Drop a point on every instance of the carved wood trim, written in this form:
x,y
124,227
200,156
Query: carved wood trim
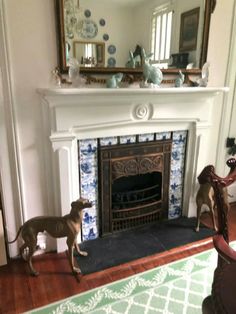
x,y
137,165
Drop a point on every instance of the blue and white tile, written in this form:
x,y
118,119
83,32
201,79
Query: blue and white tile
x,y
146,137
89,185
175,211
90,216
177,174
163,136
88,167
127,139
179,138
90,232
106,141
88,147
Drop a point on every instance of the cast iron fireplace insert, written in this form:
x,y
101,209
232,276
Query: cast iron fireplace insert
x,y
133,184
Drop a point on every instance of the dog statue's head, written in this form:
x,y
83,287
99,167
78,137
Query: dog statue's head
x,y
77,206
81,203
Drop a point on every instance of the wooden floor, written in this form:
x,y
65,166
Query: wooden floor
x,y
20,292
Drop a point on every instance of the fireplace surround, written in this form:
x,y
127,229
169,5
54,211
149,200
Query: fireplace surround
x,y
135,159
84,114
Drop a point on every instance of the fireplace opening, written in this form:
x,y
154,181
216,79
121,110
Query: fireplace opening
x,y
132,191
133,184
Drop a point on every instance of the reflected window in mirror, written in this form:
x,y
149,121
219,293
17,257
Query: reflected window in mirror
x,y
89,54
161,35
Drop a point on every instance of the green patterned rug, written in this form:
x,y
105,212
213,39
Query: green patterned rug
x,y
178,287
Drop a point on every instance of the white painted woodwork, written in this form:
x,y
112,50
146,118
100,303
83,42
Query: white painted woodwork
x,y
72,114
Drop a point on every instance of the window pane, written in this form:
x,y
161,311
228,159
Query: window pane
x,y
168,35
158,38
153,36
163,36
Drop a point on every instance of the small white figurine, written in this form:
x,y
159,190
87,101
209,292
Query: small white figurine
x,y
56,77
202,82
74,72
189,66
179,81
152,75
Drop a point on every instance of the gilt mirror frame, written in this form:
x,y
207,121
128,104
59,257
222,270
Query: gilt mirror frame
x,y
209,9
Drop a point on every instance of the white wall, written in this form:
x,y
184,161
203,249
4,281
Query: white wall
x,y
32,56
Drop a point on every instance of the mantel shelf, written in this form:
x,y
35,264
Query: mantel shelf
x,y
131,91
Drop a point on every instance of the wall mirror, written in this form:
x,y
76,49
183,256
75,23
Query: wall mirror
x,y
89,53
102,33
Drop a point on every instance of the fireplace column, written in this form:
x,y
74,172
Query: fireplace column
x,y
67,189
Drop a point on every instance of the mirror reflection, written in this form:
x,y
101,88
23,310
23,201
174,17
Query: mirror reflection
x,y
120,25
89,54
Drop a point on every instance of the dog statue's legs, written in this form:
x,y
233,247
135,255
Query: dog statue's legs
x,y
33,272
70,244
211,207
28,257
198,218
83,253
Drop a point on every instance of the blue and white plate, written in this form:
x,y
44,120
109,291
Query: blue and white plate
x,y
111,49
87,29
111,62
87,13
102,22
106,37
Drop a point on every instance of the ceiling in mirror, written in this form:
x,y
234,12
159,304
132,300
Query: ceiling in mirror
x,y
120,25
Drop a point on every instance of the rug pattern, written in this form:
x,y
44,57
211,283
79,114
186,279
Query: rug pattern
x,y
178,287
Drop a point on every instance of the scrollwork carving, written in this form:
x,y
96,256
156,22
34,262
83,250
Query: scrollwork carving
x,y
136,165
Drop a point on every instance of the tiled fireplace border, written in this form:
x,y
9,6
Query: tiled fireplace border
x,y
89,170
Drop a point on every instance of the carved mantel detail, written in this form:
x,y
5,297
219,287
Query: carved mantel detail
x,y
136,165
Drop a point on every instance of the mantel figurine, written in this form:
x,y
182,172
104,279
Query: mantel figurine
x,y
152,75
179,81
114,80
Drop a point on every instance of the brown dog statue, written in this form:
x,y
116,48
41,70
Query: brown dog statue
x,y
205,196
58,227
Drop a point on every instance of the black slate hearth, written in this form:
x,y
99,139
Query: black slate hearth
x,y
129,245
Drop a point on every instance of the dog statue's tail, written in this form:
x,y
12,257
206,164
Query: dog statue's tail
x,y
18,233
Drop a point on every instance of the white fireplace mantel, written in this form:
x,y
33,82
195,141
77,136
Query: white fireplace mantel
x,y
71,114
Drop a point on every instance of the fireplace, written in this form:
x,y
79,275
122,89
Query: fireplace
x,y
131,180
71,115
134,185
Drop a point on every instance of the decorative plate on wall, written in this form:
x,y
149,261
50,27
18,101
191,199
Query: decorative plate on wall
x,y
87,13
111,62
105,37
102,22
87,29
111,49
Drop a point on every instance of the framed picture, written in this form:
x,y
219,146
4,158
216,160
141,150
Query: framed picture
x,y
189,30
